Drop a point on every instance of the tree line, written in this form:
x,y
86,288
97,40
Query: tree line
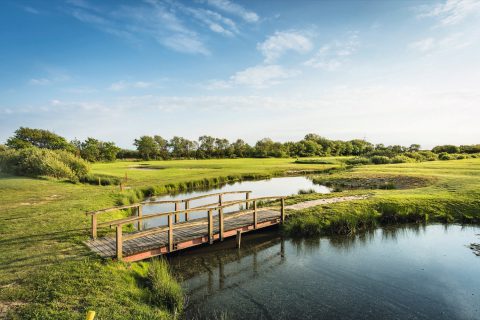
x,y
208,147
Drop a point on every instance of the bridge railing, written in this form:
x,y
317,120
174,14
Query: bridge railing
x,y
139,208
253,209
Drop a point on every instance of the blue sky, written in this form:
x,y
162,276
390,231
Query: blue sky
x,y
397,72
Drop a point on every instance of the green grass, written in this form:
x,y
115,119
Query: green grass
x,y
46,269
445,191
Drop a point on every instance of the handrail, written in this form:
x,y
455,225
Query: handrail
x,y
128,206
196,209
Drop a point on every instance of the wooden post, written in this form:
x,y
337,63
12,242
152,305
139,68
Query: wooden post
x,y
170,233
210,226
119,243
99,182
220,199
254,214
187,206
121,186
220,223
247,196
94,226
176,214
239,238
282,210
139,215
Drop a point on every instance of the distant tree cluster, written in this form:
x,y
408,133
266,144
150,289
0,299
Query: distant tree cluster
x,y
91,149
207,147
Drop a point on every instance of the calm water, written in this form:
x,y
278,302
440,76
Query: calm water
x,y
409,272
283,186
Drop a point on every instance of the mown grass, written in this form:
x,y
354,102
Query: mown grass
x,y
450,194
47,271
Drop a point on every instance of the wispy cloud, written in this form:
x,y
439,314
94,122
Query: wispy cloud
x,y
280,42
53,75
261,76
450,12
150,20
235,9
123,85
39,81
333,55
31,10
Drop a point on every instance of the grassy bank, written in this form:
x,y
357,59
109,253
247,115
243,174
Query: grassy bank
x,y
442,191
45,270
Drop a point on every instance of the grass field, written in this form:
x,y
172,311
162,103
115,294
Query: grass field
x,y
47,273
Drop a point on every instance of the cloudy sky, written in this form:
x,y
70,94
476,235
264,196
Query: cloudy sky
x,y
397,72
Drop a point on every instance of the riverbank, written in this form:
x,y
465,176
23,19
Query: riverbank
x,y
441,191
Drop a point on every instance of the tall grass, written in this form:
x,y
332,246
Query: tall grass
x,y
165,291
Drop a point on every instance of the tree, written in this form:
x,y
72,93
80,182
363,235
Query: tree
x,y
240,148
414,148
27,137
90,150
147,147
206,147
162,147
108,151
448,148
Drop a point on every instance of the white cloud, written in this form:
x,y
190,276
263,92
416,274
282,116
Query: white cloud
x,y
261,76
451,12
39,81
151,20
332,56
235,9
423,45
123,85
276,45
31,10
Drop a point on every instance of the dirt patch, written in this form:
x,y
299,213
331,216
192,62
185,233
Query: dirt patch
x,y
319,202
374,182
5,306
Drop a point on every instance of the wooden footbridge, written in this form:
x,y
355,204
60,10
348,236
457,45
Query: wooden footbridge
x,y
220,222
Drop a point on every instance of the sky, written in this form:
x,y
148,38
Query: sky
x,y
392,72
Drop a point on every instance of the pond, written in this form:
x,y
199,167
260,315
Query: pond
x,y
407,272
282,186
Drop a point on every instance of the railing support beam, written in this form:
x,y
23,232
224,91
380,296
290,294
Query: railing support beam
x,y
254,214
119,243
187,206
282,210
94,226
210,226
177,217
170,233
220,223
139,215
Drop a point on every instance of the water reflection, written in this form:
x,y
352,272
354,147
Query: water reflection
x,y
282,186
407,272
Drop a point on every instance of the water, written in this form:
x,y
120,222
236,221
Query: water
x,y
283,186
409,272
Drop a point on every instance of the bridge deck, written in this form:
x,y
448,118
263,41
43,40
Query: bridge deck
x,y
185,234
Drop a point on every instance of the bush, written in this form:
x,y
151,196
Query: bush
x,y
445,156
36,162
380,160
401,159
358,161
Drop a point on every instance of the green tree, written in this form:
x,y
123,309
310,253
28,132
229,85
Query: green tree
x,y
147,147
27,137
162,147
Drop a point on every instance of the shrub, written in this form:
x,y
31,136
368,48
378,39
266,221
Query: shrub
x,y
445,156
380,160
36,162
358,161
401,159
306,191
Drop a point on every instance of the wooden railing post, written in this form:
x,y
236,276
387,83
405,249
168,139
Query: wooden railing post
x,y
187,206
255,214
119,243
210,226
94,226
220,199
176,214
139,215
170,233
282,210
247,196
220,223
